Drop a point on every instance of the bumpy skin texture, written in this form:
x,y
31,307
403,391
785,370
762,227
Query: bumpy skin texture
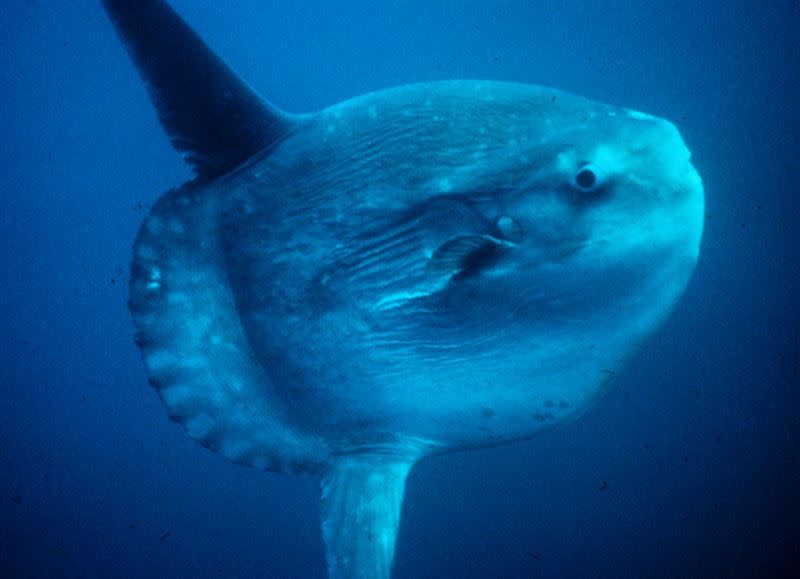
x,y
412,271
355,336
429,268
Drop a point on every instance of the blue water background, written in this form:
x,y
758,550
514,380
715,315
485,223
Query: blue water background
x,y
697,441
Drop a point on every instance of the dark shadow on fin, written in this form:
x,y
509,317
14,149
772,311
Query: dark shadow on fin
x,y
209,113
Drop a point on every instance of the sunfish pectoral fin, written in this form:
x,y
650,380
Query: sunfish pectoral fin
x,y
209,113
467,254
362,497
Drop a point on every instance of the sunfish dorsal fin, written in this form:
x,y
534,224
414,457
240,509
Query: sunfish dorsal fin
x,y
362,497
209,113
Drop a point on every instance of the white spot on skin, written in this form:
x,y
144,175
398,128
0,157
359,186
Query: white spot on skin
x,y
639,115
154,279
373,112
445,185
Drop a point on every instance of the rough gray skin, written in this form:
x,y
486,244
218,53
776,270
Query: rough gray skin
x,y
413,271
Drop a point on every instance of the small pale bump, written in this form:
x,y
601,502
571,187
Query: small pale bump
x,y
508,228
639,115
154,225
145,252
160,359
177,298
154,279
177,227
149,319
192,362
217,397
234,449
176,394
200,325
199,426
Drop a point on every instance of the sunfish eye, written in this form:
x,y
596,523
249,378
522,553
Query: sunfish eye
x,y
586,178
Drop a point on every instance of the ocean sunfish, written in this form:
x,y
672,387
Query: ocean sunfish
x,y
419,270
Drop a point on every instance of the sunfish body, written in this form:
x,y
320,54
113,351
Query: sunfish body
x,y
430,268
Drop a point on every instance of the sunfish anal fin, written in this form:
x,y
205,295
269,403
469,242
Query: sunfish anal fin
x,y
362,497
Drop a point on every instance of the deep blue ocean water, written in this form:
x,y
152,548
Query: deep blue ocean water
x,y
687,467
